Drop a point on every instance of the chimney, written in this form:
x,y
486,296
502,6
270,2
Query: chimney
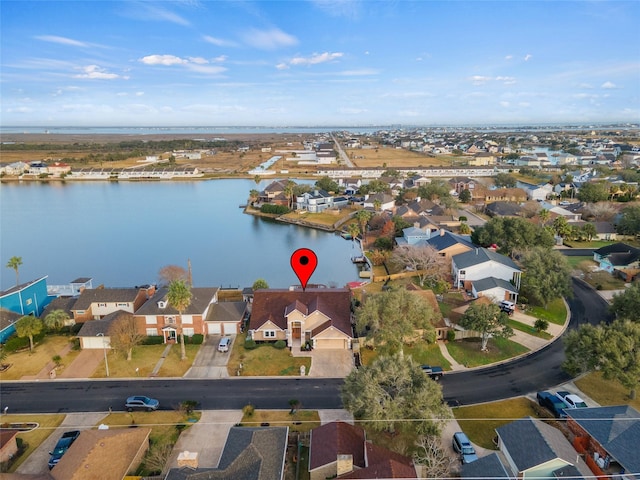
x,y
188,459
344,464
442,232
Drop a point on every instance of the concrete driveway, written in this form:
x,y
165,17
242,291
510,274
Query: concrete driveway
x,y
331,363
209,362
36,463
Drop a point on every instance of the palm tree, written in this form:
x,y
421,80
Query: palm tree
x,y
363,217
288,192
56,319
544,216
15,262
179,295
353,230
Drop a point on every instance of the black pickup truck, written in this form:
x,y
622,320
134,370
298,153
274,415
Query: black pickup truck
x,y
434,372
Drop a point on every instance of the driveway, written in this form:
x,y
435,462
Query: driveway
x,y
334,363
36,463
209,362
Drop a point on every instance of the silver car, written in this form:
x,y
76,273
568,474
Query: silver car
x,y
141,403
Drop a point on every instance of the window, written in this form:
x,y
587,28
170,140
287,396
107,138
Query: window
x,y
151,332
186,320
188,332
122,304
102,304
151,320
269,334
28,301
171,320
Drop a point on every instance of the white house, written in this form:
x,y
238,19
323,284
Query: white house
x,y
492,274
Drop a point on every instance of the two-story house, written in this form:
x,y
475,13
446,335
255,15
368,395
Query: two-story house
x,y
319,200
96,303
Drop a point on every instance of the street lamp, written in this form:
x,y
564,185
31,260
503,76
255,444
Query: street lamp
x,y
104,349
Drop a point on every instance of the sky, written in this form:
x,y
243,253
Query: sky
x,y
318,63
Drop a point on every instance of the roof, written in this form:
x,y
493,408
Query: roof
x,y
447,239
544,443
485,467
201,298
383,463
503,208
616,428
227,312
104,295
60,303
8,318
619,254
492,282
20,287
91,328
271,304
333,439
255,453
102,454
479,255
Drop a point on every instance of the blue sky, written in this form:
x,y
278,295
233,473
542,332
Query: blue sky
x,y
316,63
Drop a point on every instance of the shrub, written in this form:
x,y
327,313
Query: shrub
x,y
274,209
197,339
451,335
250,344
153,340
541,324
15,342
248,410
188,406
280,344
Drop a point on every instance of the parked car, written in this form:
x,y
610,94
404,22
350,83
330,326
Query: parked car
x,y
62,446
572,400
552,403
434,372
140,402
507,307
223,346
462,445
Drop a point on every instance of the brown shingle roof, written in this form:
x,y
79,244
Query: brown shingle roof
x,y
383,463
333,439
104,295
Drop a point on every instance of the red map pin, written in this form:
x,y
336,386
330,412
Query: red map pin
x,y
304,263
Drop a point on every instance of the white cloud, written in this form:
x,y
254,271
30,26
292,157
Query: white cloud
x,y
527,57
219,41
152,12
208,69
163,60
139,94
506,80
480,79
269,39
220,58
608,85
504,104
282,66
62,40
508,57
198,60
96,72
316,58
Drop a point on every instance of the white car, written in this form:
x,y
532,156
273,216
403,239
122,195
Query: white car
x,y
572,401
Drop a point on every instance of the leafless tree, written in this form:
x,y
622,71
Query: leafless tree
x,y
600,212
171,273
425,261
124,335
432,457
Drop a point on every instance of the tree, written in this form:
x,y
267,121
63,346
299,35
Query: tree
x,y
392,393
124,335
629,223
363,216
390,318
171,273
465,196
435,189
253,195
589,231
14,263
289,192
541,325
425,261
511,233
56,319
593,192
544,216
179,295
612,349
464,229
435,460
327,184
547,275
260,284
627,304
28,326
353,230
506,179
488,320
561,226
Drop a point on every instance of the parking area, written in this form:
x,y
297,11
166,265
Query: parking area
x,y
209,362
331,363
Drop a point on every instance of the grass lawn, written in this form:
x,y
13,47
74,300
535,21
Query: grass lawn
x,y
162,422
422,353
28,363
523,327
265,360
480,421
595,244
576,262
602,280
46,426
145,358
605,392
556,312
325,219
301,421
467,352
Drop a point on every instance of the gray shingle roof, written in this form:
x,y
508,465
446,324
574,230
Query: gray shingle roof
x,y
227,312
91,328
104,295
200,299
485,467
492,282
616,428
448,239
481,255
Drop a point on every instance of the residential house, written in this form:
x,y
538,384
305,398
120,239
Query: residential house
x,y
481,264
8,444
319,200
320,317
449,244
505,195
274,193
503,209
340,450
14,169
95,334
605,231
227,318
489,466
482,159
539,192
379,201
439,324
58,169
619,259
412,236
7,323
545,453
609,437
28,298
250,453
495,288
93,304
72,289
459,184
416,181
158,317
103,454
423,206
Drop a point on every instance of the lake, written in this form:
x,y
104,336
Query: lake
x,y
122,233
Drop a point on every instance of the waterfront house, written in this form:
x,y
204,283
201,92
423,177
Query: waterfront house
x,y
413,236
319,200
96,303
28,298
379,201
619,259
482,265
448,244
158,317
320,317
226,318
341,450
13,169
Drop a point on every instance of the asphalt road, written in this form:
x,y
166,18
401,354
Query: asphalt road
x,y
538,371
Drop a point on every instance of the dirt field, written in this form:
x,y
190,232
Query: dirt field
x,y
388,157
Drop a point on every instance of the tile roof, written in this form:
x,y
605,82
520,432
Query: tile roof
x,y
271,304
616,428
201,298
479,255
333,439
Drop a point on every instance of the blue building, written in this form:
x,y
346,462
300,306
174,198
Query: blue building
x,y
27,299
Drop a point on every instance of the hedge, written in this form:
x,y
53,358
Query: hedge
x,y
274,209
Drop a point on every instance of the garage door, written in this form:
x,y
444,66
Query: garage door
x,y
230,328
89,343
214,328
327,343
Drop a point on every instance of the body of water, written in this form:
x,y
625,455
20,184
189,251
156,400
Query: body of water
x,y
122,234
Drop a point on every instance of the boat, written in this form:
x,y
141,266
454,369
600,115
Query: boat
x,y
360,259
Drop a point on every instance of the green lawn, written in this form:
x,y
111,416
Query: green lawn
x,y
576,261
46,426
422,353
523,327
30,363
606,392
556,312
300,421
602,280
480,421
265,360
467,352
595,244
